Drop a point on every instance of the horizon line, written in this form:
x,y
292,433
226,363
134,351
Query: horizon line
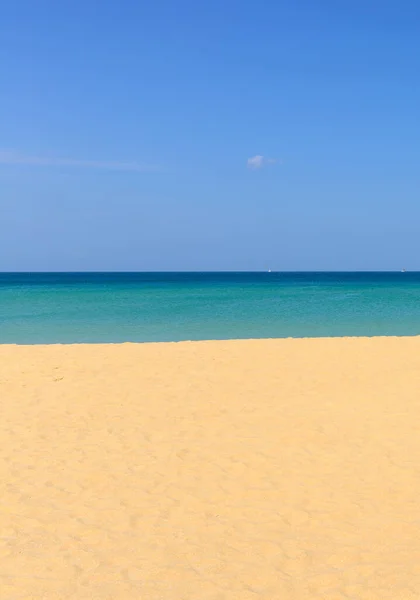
x,y
163,271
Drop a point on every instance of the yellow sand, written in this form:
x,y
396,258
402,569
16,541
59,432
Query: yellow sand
x,y
283,469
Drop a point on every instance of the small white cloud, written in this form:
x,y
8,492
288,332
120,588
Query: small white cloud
x,y
258,162
14,158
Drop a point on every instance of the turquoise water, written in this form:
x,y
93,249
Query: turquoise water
x,y
139,307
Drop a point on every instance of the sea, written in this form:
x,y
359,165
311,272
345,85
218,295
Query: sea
x,y
48,308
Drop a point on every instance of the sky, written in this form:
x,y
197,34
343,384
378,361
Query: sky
x,y
223,135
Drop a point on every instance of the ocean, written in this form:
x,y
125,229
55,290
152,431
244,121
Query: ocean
x,y
45,308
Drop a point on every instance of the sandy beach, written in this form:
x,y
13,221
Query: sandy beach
x,y
278,469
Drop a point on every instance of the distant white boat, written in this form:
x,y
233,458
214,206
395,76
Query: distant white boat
x,y
402,270
269,270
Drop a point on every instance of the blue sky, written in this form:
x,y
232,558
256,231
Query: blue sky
x,y
126,130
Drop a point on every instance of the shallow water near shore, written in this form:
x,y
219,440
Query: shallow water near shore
x,y
144,307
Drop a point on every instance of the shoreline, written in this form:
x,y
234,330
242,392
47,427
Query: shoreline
x,y
211,341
